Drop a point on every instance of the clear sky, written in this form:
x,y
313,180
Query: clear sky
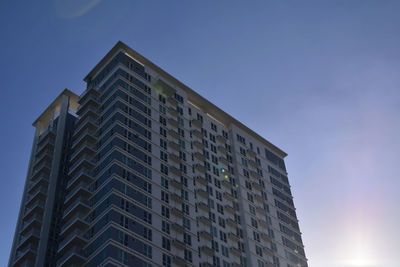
x,y
320,79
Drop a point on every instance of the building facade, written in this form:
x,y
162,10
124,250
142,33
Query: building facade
x,y
140,170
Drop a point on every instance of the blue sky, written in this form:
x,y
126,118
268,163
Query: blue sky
x,y
320,79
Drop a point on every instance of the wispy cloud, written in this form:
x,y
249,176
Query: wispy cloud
x,y
74,8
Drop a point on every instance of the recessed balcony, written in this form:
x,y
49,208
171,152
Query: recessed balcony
x,y
176,198
174,146
200,168
228,196
203,206
172,101
178,244
174,158
207,251
178,261
197,123
222,149
173,134
202,193
229,209
233,237
197,133
204,220
198,145
177,228
205,235
173,112
221,139
201,180
173,123
235,251
223,160
199,156
175,171
251,153
177,213
74,257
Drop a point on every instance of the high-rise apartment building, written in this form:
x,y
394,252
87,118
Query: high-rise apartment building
x,y
140,170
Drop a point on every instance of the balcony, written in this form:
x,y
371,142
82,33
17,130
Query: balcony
x,y
229,209
46,155
47,143
177,228
258,198
203,206
178,261
175,184
207,251
251,153
89,112
172,101
205,235
176,198
87,148
178,244
202,193
198,145
223,160
41,181
38,193
199,168
84,162
263,224
87,135
175,171
26,256
173,133
199,156
231,223
177,213
197,133
88,123
256,186
221,139
89,96
261,211
201,180
197,123
173,112
75,238
265,237
254,175
77,221
30,237
252,163
228,196
174,123
174,158
37,207
233,237
82,176
222,149
43,168
268,251
225,183
81,189
79,205
174,146
235,251
204,220
34,221
74,257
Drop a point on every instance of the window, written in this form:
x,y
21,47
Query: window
x,y
166,260
164,182
166,243
213,127
165,227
